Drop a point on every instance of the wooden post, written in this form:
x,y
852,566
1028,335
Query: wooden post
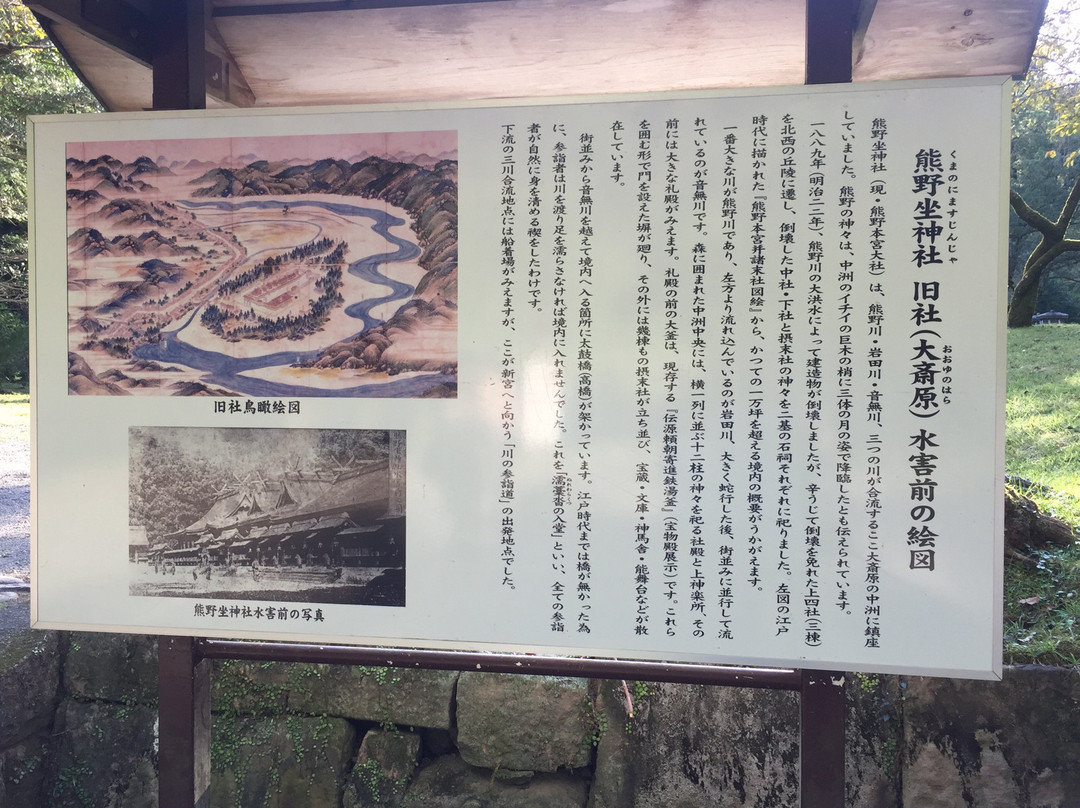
x,y
179,82
823,719
830,29
183,725
180,55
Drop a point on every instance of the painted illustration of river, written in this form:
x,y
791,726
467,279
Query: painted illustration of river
x,y
265,275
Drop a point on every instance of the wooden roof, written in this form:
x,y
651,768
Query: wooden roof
x,y
315,52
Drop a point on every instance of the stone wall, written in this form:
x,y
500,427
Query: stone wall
x,y
78,728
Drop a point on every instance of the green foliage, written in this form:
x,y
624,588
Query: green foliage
x,y
69,788
370,779
375,787
271,755
381,675
595,720
1047,96
236,737
26,768
34,80
14,346
868,683
1042,610
1045,176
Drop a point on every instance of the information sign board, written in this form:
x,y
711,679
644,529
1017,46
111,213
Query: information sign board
x,y
694,377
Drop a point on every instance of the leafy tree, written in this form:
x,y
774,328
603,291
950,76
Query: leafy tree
x,y
346,446
169,488
14,345
34,80
1045,173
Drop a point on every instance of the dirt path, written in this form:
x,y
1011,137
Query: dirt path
x,y
14,527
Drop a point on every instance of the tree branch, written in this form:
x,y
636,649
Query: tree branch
x,y
1068,209
1030,215
1037,263
8,48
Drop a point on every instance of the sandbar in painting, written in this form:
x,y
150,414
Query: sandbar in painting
x,y
265,267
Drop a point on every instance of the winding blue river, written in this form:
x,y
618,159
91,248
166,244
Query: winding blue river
x,y
226,370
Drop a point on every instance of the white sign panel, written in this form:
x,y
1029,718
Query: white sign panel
x,y
691,377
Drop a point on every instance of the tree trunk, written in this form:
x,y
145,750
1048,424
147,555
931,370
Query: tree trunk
x,y
1027,527
1052,244
1026,294
1024,299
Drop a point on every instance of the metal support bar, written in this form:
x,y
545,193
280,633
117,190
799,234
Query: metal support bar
x,y
589,668
179,60
183,725
830,27
823,718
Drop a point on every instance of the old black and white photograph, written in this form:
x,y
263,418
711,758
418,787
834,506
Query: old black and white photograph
x,y
296,515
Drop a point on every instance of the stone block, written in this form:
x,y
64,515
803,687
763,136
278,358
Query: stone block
x,y
250,688
874,740
29,683
449,782
611,786
523,723
22,771
402,697
105,756
383,769
690,745
1007,744
111,667
279,762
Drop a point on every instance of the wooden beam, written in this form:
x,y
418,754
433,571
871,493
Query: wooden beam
x,y
150,32
113,23
48,25
830,27
224,79
179,55
863,16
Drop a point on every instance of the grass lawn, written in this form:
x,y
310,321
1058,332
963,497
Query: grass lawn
x,y
1042,444
1042,415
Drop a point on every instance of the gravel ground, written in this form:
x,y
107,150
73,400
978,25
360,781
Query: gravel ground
x,y
14,528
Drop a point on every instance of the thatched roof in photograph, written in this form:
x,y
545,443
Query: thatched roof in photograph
x,y
296,503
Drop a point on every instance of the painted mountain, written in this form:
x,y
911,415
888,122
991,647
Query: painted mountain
x,y
274,276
